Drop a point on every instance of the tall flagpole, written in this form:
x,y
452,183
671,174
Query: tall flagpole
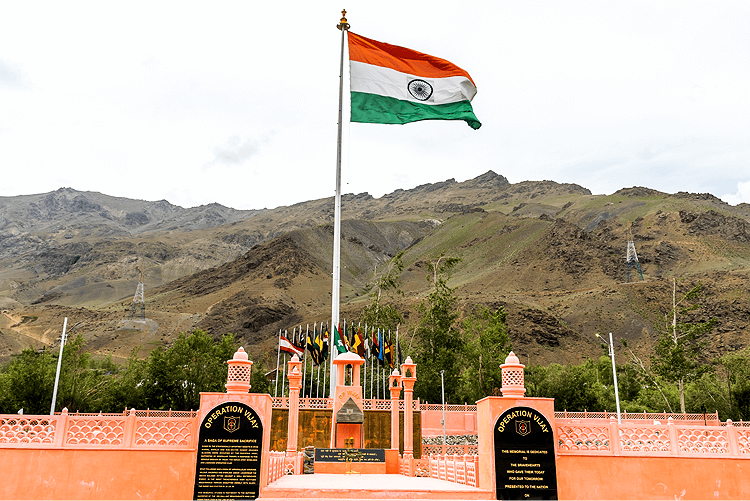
x,y
336,288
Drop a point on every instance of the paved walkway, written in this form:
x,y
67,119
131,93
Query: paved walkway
x,y
360,487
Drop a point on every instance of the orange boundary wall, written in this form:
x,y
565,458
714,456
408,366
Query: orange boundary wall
x,y
96,474
457,422
596,477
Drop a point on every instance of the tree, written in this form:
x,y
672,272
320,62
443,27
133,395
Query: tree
x,y
28,380
82,379
676,355
648,380
126,386
487,344
737,368
440,343
377,314
195,363
708,394
258,381
574,387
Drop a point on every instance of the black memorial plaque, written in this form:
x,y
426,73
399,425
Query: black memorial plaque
x,y
524,455
339,455
230,444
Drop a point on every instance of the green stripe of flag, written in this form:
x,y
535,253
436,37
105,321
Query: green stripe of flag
x,y
374,109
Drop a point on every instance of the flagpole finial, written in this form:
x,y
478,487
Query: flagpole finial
x,y
343,25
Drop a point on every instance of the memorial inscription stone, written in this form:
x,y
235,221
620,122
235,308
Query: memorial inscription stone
x,y
230,444
524,455
339,455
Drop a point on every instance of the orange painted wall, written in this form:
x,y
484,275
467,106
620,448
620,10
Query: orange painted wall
x,y
597,477
96,474
456,423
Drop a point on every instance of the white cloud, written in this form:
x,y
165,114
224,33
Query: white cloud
x,y
234,151
11,76
742,195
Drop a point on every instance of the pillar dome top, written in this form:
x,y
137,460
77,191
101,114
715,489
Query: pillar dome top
x,y
240,354
348,357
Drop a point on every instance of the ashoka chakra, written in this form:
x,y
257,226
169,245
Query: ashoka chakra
x,y
420,89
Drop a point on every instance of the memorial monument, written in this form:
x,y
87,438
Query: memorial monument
x,y
232,459
519,461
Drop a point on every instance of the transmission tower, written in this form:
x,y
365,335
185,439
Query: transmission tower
x,y
138,308
632,259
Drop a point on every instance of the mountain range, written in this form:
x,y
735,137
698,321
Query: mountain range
x,y
553,254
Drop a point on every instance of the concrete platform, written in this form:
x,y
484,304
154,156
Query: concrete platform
x,y
363,487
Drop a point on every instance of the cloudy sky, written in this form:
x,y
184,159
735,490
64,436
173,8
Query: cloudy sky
x,y
235,102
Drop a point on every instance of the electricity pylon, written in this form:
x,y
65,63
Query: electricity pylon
x,y
138,308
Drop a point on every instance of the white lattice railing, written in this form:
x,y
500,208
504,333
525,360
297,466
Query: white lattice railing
x,y
712,419
448,407
28,430
101,431
575,437
133,429
458,468
276,463
175,432
430,449
327,403
376,405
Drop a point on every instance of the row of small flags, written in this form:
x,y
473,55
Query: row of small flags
x,y
377,344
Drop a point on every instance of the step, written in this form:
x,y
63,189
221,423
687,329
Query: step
x,y
368,487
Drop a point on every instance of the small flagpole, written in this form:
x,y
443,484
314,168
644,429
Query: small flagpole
x,y
397,364
372,368
312,363
325,369
325,365
336,286
377,366
317,384
276,377
283,370
364,347
304,354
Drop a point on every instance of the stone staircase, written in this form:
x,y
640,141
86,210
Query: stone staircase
x,y
367,487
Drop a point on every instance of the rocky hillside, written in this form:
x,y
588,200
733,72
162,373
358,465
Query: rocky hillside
x,y
552,254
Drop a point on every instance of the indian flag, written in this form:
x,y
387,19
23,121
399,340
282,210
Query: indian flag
x,y
394,85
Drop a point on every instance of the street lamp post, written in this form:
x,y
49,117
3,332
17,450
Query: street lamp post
x,y
442,391
59,363
611,349
63,338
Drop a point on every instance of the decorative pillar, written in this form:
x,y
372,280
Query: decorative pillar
x,y
295,377
512,370
348,416
394,384
408,378
238,378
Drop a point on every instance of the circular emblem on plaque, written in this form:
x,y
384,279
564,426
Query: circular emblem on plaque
x,y
420,89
